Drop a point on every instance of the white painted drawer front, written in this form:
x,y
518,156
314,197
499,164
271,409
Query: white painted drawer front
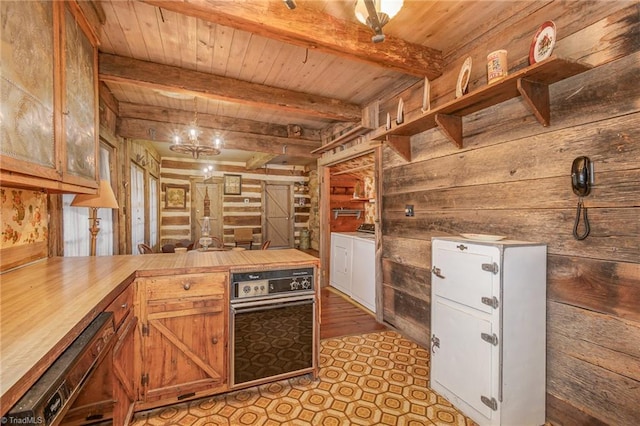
x,y
462,364
457,274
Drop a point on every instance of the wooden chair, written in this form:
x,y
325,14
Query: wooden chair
x,y
265,245
144,249
243,236
185,243
216,242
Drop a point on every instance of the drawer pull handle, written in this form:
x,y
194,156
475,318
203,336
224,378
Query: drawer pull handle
x,y
124,306
462,247
186,286
437,272
214,340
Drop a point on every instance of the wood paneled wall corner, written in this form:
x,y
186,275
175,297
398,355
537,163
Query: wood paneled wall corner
x,y
513,178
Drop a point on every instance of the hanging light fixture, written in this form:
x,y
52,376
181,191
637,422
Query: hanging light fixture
x,y
376,14
192,144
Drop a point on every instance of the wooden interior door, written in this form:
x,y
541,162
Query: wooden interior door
x,y
277,225
212,191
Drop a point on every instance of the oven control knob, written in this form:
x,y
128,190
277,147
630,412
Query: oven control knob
x,y
294,284
246,289
306,284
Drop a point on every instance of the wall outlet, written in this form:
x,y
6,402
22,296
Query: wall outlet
x,y
408,210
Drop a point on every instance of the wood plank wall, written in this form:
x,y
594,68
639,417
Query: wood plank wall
x,y
176,225
513,178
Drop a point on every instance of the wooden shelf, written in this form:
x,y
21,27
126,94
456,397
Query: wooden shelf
x,y
344,138
346,212
532,83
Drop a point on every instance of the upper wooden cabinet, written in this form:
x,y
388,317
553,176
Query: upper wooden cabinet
x,y
49,126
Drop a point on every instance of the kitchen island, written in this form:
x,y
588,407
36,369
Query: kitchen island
x,y
44,306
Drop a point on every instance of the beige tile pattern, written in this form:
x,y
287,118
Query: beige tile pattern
x,y
371,379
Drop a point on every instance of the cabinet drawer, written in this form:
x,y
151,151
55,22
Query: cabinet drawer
x,y
184,286
121,306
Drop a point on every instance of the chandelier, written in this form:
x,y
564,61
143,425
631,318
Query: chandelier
x,y
376,14
192,144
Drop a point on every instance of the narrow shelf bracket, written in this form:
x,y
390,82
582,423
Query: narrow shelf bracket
x,y
401,145
451,126
536,96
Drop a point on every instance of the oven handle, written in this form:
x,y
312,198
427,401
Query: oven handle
x,y
265,301
241,309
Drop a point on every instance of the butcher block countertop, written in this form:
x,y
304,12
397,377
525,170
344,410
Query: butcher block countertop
x,y
44,306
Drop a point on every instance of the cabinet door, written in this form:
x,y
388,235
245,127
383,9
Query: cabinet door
x,y
80,100
27,126
95,402
461,362
363,277
458,273
341,252
123,371
184,336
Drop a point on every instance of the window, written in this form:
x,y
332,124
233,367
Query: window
x,y
75,220
153,211
137,207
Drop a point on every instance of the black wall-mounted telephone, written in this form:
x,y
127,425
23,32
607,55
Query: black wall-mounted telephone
x,y
580,176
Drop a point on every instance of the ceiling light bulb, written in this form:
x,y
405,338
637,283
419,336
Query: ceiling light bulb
x,y
388,7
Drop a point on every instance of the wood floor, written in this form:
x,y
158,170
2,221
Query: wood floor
x,y
342,317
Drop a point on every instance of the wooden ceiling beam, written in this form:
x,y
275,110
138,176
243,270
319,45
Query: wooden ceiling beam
x,y
314,30
182,117
258,161
120,69
134,128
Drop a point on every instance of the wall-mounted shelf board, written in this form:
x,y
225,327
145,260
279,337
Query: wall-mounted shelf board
x,y
346,212
532,83
342,139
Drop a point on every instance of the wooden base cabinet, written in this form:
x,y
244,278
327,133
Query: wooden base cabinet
x,y
184,337
488,318
109,392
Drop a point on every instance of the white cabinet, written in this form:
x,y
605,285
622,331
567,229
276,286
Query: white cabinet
x,y
353,267
363,277
341,254
488,329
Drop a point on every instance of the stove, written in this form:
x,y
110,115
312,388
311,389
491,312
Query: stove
x,y
367,228
366,231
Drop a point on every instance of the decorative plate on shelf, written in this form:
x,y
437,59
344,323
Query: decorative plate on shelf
x,y
543,42
463,78
483,237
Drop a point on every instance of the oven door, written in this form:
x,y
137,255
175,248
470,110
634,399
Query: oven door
x,y
271,339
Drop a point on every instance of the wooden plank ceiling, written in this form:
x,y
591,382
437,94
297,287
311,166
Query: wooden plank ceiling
x,y
254,68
